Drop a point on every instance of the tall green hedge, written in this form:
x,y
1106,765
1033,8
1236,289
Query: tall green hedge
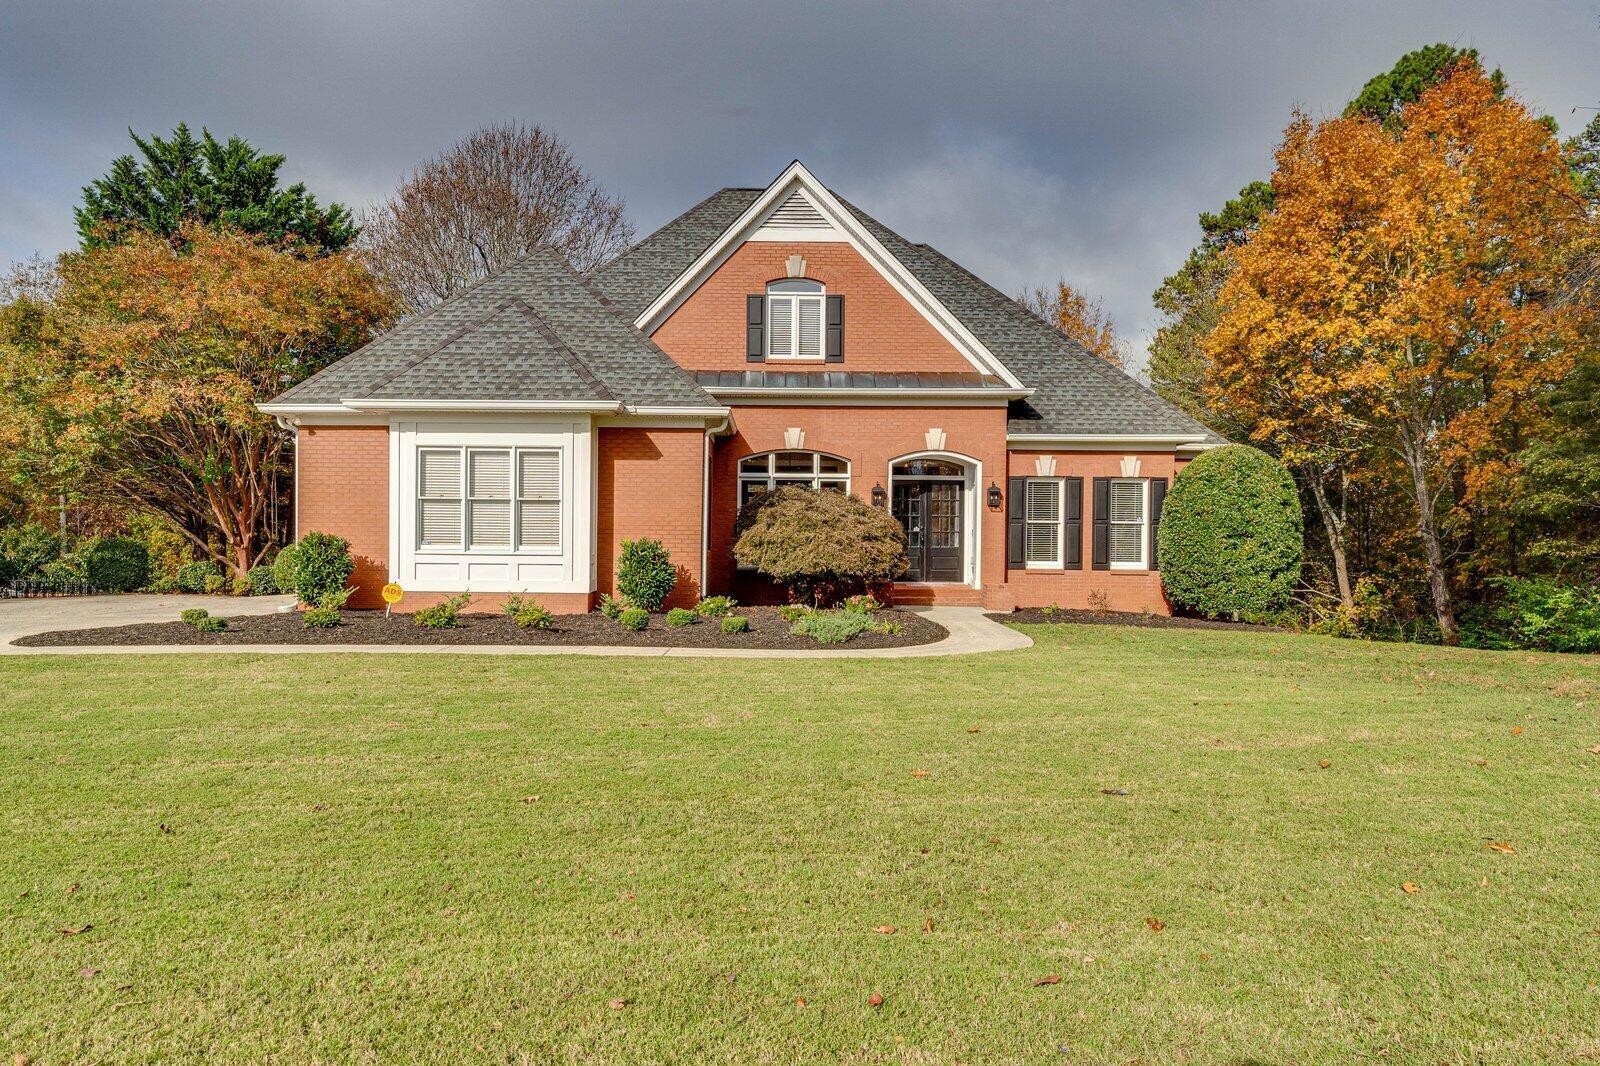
x,y
117,564
1231,534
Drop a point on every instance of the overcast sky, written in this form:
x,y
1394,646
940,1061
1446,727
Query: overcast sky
x,y
1029,142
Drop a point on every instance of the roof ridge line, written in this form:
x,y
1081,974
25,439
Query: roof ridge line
x,y
445,342
579,367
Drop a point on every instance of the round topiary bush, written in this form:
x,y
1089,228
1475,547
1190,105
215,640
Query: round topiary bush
x,y
645,574
321,565
1231,534
819,543
117,564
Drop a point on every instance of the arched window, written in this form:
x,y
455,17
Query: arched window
x,y
771,470
794,320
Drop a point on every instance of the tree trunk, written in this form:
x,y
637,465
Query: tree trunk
x,y
1414,453
1333,523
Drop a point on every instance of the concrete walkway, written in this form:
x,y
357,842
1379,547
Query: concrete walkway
x,y
970,632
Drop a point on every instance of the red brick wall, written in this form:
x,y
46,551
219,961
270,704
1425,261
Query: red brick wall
x,y
1116,590
869,437
881,330
650,483
343,489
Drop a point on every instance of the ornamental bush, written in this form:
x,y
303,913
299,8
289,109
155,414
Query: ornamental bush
x,y
116,564
679,617
634,618
716,606
735,623
192,577
283,568
193,616
1231,534
446,615
528,614
645,574
819,543
322,564
1549,615
263,581
832,627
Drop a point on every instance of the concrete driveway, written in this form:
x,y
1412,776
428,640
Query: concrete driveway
x,y
20,617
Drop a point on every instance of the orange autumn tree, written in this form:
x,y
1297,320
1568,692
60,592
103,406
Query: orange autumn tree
x,y
1080,317
139,386
1398,305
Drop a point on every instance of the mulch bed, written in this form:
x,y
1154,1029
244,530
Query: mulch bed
x,y
767,630
1035,616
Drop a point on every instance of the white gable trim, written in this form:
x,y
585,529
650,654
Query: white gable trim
x,y
797,177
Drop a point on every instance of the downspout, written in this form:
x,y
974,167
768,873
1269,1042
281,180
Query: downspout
x,y
705,503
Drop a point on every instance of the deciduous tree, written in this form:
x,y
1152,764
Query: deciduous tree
x,y
1080,317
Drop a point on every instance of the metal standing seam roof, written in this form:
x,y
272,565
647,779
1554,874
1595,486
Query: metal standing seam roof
x,y
535,331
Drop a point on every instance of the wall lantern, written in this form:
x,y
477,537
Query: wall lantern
x,y
994,496
878,495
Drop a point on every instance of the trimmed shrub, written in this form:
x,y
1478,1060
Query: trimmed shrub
x,y
116,564
634,618
645,574
322,564
716,606
866,603
1231,534
326,613
263,581
211,625
612,606
831,627
192,576
734,623
214,584
1548,615
166,548
527,614
194,616
679,617
446,615
28,548
819,543
241,586
8,570
284,568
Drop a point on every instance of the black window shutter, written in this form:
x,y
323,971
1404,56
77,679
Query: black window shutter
x,y
1102,523
1158,496
1016,523
835,347
755,330
1074,524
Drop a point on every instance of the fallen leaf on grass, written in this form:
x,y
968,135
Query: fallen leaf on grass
x,y
69,930
617,1004
165,828
886,930
1155,924
1053,979
1410,888
1595,750
73,888
1502,847
1115,792
972,729
1480,762
89,971
927,924
800,1001
530,799
1323,764
874,1000
1516,730
19,1059
919,773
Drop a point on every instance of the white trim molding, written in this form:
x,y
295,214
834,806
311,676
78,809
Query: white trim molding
x,y
889,397
1104,441
972,507
796,177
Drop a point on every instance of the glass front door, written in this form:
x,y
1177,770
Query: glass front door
x,y
930,511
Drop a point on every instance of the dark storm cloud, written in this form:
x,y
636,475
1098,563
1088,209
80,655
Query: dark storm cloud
x,y
1028,141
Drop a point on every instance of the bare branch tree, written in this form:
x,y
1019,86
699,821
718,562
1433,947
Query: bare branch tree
x,y
485,203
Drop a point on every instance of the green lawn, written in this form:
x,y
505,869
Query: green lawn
x,y
376,858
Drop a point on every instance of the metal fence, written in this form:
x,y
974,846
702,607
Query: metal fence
x,y
18,588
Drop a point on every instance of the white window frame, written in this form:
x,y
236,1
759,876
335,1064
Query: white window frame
x,y
796,292
1060,523
465,501
1143,562
772,478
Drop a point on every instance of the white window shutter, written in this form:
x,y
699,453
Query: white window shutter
x,y
780,311
810,329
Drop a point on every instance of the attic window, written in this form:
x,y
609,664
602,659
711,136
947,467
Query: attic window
x,y
794,320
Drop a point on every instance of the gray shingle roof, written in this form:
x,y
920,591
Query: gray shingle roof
x,y
1074,391
536,331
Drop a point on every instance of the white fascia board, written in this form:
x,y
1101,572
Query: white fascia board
x,y
746,394
685,412
575,406
301,408
795,175
1100,441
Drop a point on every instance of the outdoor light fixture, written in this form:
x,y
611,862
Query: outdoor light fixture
x,y
994,495
878,495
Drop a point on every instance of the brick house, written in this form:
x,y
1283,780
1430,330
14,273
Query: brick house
x,y
511,438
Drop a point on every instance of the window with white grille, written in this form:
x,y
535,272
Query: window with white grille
x,y
489,499
1042,517
795,320
1129,498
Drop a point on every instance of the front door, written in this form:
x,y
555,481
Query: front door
x,y
930,511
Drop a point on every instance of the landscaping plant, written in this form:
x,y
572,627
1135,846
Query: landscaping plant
x,y
645,574
325,614
322,564
735,623
192,577
1231,534
446,615
634,618
263,581
284,568
116,564
832,627
716,606
211,624
679,617
865,603
527,614
612,606
193,616
819,543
